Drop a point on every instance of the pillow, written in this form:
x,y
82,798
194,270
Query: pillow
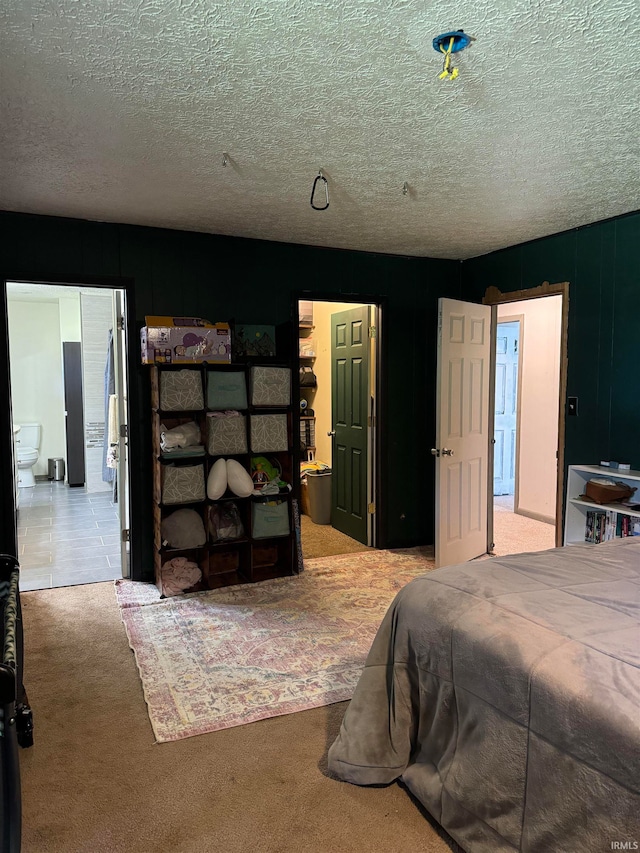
x,y
183,529
239,479
217,480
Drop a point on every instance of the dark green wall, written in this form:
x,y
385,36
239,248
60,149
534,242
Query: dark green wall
x,y
600,262
256,282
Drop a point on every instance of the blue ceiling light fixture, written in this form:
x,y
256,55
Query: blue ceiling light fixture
x,y
448,44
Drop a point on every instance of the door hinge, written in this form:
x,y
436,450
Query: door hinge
x,y
371,509
373,332
124,431
126,535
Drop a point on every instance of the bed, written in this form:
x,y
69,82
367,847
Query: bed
x,y
505,695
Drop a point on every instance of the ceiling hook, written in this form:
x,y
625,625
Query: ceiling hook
x,y
405,188
225,159
320,177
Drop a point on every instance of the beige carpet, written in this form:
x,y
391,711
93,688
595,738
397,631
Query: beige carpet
x,y
322,540
96,782
514,533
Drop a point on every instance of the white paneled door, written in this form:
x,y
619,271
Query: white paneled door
x,y
122,402
462,431
506,408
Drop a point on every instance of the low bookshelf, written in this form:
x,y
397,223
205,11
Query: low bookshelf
x,y
588,521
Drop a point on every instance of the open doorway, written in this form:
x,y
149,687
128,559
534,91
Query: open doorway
x,y
528,358
465,399
338,345
67,357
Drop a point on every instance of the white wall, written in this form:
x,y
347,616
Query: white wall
x,y
540,337
70,321
37,388
97,319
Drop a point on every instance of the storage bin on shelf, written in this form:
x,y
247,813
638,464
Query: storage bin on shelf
x,y
240,543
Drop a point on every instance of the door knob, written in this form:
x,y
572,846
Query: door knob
x,y
447,452
331,432
435,451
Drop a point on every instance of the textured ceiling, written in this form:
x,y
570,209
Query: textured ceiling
x,y
120,110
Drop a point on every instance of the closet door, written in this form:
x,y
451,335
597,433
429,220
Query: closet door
x,y
350,400
74,417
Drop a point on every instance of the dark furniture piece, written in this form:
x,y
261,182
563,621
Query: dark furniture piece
x,y
252,557
16,726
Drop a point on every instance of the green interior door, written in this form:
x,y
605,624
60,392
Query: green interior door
x,y
350,410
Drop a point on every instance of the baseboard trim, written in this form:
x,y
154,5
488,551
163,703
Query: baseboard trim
x,y
536,516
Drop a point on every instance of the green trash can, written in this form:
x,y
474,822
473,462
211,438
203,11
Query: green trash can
x,y
319,491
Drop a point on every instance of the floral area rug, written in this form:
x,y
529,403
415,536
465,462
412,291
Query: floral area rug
x,y
226,657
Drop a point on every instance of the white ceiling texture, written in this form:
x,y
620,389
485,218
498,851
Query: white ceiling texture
x,y
121,110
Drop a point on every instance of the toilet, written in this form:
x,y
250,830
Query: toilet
x,y
28,443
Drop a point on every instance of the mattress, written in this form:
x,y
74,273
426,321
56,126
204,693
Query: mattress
x,y
505,695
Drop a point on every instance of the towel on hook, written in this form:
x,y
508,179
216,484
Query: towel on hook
x,y
114,429
113,433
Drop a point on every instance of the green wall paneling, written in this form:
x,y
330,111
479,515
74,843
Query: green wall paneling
x,y
625,373
256,282
600,263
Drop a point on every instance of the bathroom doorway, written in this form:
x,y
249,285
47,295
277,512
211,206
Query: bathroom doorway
x,y
67,364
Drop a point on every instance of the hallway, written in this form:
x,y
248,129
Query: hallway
x,y
514,533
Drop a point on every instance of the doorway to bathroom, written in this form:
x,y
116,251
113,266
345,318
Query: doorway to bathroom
x,y
67,360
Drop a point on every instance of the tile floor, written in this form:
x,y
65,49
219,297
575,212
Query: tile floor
x,y
66,536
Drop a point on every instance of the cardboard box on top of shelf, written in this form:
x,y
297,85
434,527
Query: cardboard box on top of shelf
x,y
184,340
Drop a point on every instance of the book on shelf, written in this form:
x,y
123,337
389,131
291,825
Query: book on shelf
x,y
605,525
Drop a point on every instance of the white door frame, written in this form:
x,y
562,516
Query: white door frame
x,y
121,368
122,404
494,297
